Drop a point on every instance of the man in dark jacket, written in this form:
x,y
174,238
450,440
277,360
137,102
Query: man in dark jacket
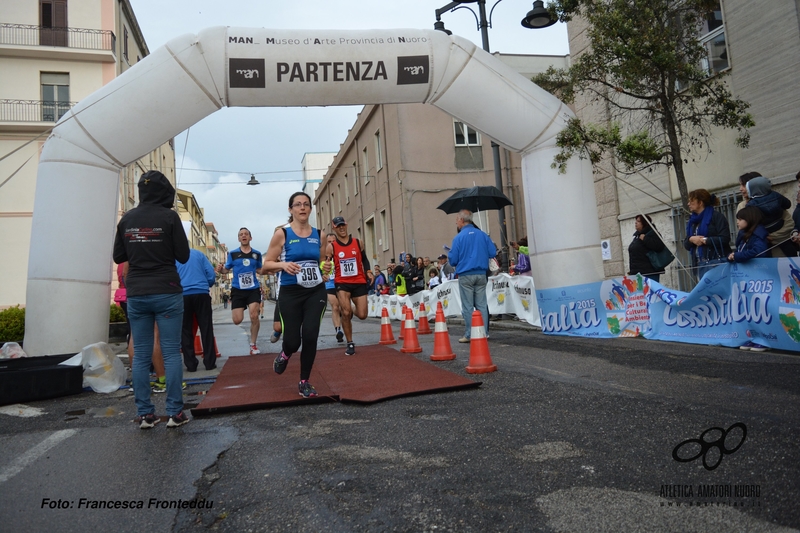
x,y
151,238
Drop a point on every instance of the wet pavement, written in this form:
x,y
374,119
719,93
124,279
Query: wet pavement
x,y
569,434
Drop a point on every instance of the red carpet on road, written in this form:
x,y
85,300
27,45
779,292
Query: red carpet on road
x,y
375,373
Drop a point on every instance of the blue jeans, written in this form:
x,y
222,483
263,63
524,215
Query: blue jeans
x,y
473,296
167,311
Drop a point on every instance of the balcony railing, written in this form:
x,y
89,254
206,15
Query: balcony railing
x,y
32,110
28,35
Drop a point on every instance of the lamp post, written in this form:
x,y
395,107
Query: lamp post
x,y
538,17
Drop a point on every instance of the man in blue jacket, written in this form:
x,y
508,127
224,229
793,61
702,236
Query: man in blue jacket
x,y
197,275
470,255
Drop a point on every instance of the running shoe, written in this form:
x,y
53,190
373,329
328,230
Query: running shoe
x,y
177,420
758,347
280,363
351,349
254,350
275,336
339,335
307,390
147,421
159,386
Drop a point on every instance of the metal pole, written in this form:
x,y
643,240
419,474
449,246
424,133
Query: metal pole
x,y
498,176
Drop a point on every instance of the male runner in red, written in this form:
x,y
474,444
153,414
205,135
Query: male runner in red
x,y
353,276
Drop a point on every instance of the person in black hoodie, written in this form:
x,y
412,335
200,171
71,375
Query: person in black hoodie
x,y
151,238
644,240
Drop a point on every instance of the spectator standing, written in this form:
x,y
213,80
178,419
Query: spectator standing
x,y
644,240
751,242
390,275
522,265
707,234
774,206
409,264
417,273
197,276
379,280
400,281
470,254
428,268
151,238
435,280
224,300
796,213
447,270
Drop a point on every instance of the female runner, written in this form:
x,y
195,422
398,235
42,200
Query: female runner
x,y
297,251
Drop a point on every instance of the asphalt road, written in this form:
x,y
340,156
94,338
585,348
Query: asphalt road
x,y
568,435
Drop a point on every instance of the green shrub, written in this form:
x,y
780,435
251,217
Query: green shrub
x,y
12,324
116,315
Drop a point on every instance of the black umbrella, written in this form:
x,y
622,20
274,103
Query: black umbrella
x,y
481,198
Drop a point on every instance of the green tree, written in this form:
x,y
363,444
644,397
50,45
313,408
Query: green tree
x,y
644,64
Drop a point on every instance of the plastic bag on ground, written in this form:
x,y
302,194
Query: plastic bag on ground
x,y
12,350
102,370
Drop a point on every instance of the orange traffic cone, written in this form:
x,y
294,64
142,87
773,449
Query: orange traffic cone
x,y
402,322
387,337
424,327
480,361
198,344
442,351
411,343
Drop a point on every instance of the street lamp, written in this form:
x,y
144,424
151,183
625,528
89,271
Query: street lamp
x,y
253,180
536,18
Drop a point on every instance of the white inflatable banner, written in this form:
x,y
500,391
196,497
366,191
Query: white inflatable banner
x,y
193,76
513,295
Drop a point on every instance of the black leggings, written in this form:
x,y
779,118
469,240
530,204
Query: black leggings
x,y
301,313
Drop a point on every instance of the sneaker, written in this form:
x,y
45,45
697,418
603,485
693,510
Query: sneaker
x,y
280,363
147,421
275,336
351,349
339,335
758,347
747,346
254,350
160,386
307,390
177,420
463,340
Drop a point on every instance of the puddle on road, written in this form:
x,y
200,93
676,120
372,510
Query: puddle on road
x,y
103,412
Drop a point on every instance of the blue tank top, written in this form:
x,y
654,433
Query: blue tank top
x,y
305,252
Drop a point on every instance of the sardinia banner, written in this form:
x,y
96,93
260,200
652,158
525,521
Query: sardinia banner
x,y
756,301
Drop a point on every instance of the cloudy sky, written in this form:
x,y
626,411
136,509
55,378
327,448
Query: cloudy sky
x,y
216,156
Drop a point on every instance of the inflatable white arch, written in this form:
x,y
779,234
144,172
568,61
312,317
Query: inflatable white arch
x,y
194,75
